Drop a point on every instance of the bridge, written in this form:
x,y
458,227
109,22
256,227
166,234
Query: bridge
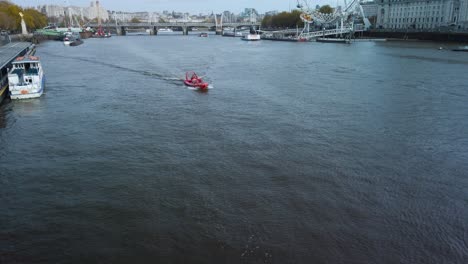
x,y
297,35
122,27
323,33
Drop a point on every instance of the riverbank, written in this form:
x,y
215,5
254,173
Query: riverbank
x,y
443,36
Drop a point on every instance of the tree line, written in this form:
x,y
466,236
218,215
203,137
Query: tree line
x,y
11,20
290,19
283,20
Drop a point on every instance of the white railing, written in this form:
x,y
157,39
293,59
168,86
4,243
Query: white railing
x,y
321,33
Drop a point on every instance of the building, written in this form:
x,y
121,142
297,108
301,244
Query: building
x,y
463,15
370,8
90,12
94,10
249,15
272,13
52,10
417,14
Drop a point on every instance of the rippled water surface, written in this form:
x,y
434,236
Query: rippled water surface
x,y
301,153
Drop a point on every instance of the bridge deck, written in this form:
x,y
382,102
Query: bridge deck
x,y
10,51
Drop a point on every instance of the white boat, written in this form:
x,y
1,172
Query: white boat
x,y
465,49
66,41
251,37
26,78
161,30
68,38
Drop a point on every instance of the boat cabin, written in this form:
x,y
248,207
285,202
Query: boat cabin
x,y
25,70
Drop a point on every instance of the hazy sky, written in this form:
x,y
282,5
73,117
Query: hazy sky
x,y
192,6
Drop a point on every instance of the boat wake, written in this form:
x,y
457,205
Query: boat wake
x,y
196,88
159,76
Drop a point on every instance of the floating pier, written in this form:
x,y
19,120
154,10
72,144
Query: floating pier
x,y
8,53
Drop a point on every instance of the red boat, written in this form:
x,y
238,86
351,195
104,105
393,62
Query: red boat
x,y
192,80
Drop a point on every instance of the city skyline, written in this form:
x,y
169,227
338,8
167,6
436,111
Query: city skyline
x,y
200,6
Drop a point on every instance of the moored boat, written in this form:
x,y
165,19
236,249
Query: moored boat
x,y
26,78
76,42
192,80
66,41
101,34
253,35
465,49
162,30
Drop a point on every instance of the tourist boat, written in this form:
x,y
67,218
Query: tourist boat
x,y
192,80
252,36
26,78
465,49
204,35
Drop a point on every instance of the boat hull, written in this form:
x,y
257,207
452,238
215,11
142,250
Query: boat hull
x,y
201,85
19,93
249,38
76,43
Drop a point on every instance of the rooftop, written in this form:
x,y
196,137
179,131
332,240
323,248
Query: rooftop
x,y
10,51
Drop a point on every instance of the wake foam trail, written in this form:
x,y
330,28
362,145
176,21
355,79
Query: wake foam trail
x,y
156,75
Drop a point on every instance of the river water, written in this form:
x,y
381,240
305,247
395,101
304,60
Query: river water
x,y
300,153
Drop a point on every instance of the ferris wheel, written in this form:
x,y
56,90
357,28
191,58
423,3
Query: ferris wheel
x,y
341,15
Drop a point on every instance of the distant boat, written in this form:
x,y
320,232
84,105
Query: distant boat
x,y
162,30
68,38
465,49
253,35
76,42
66,41
26,78
101,34
204,35
228,33
72,40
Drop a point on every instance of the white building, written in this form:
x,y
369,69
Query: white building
x,y
463,14
53,10
90,12
370,9
428,14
